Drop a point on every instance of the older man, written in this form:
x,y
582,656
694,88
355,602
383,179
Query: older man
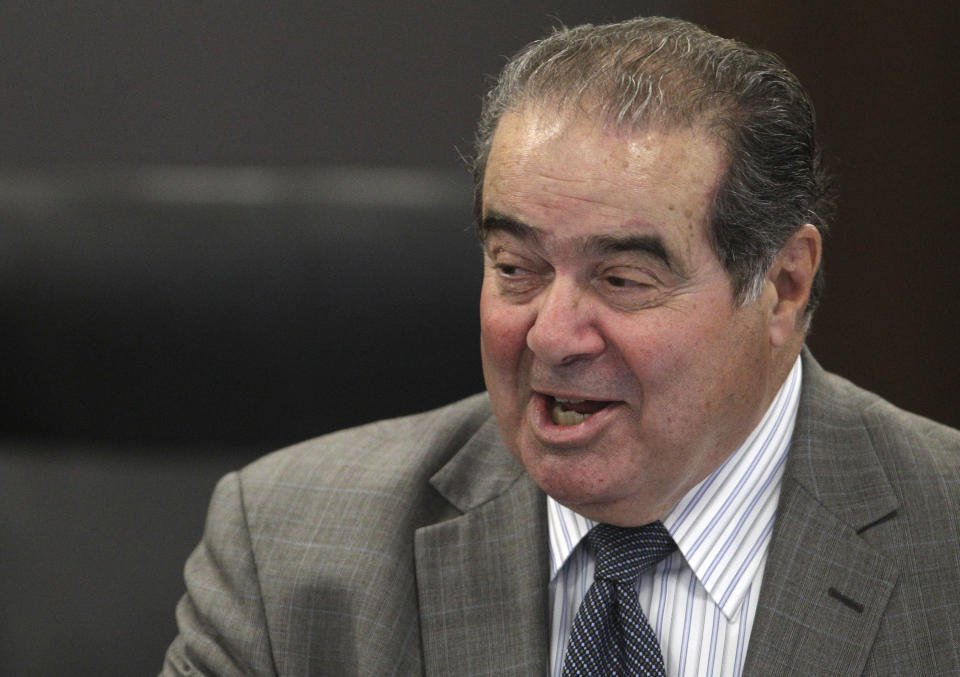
x,y
660,480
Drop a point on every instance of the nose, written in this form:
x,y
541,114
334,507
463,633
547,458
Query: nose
x,y
564,330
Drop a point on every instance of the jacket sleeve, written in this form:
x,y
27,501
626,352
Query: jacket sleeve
x,y
221,619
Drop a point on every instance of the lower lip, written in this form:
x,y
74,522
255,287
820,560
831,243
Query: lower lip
x,y
570,436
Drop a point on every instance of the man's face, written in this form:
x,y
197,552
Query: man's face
x,y
620,369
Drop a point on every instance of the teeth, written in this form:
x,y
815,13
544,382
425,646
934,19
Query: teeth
x,y
561,416
560,399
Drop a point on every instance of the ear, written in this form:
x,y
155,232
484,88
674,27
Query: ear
x,y
792,275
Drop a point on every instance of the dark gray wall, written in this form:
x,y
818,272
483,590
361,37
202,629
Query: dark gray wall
x,y
398,84
245,81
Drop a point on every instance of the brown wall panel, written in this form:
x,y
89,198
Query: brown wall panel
x,y
884,79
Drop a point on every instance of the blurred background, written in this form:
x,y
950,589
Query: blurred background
x,y
229,226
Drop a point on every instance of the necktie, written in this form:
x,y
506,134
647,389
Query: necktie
x,y
610,635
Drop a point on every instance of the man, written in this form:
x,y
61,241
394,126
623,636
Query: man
x,y
650,202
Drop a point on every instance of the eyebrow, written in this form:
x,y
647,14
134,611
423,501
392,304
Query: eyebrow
x,y
495,222
649,245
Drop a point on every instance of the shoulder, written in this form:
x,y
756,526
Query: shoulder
x,y
314,543
856,442
897,435
360,471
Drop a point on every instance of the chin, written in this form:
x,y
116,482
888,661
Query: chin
x,y
602,483
571,476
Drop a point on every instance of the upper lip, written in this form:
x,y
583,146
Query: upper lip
x,y
570,395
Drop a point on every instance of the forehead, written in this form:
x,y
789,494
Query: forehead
x,y
570,175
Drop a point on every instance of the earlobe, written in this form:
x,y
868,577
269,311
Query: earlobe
x,y
792,276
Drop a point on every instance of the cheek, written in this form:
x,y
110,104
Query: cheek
x,y
653,350
704,367
502,347
503,334
676,363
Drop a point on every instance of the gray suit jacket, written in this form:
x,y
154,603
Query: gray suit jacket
x,y
418,546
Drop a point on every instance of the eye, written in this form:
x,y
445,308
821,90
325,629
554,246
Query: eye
x,y
509,269
510,265
629,287
515,277
627,279
622,282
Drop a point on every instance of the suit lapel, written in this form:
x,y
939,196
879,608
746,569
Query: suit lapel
x,y
482,576
825,586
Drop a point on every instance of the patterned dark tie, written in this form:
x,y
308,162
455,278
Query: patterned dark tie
x,y
610,635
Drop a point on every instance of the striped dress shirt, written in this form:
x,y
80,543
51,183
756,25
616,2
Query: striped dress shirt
x,y
701,600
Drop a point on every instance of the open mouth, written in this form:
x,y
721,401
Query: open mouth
x,y
567,412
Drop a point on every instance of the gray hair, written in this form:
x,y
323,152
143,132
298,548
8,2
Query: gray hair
x,y
671,73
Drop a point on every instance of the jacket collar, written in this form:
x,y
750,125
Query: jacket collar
x,y
482,576
825,585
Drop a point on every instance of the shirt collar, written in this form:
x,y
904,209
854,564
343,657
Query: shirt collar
x,y
722,526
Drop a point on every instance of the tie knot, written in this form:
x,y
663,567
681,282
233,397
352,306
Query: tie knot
x,y
622,553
